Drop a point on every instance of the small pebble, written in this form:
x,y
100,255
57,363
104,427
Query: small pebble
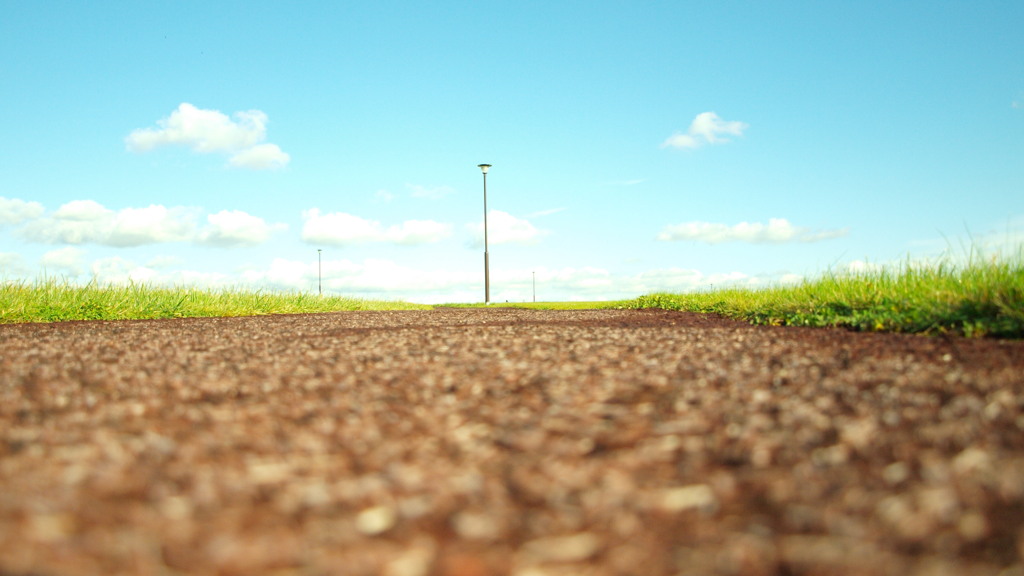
x,y
376,520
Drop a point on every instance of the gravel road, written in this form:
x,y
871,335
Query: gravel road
x,y
506,442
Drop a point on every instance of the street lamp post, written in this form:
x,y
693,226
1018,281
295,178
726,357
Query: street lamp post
x,y
487,263
319,272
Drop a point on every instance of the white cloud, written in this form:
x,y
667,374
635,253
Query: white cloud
x,y
77,222
154,224
14,211
596,283
576,284
165,261
430,192
389,280
706,128
68,260
687,280
776,231
202,131
87,221
858,267
236,228
1003,241
12,266
1000,244
118,270
384,276
504,228
82,211
337,228
261,157
590,283
211,131
284,274
678,140
412,232
372,277
341,229
428,283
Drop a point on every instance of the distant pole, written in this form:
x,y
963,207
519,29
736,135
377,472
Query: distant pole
x,y
487,262
319,272
535,287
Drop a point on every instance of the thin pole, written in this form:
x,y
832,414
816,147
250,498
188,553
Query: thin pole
x,y
487,258
319,272
535,287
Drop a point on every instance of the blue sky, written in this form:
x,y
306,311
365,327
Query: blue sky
x,y
636,146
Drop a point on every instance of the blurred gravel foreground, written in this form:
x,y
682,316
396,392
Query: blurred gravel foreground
x,y
506,442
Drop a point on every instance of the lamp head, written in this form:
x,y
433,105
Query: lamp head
x,y
484,167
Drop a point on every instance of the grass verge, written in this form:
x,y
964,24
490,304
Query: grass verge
x,y
979,299
54,301
983,298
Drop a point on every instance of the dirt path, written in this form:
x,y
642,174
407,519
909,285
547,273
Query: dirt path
x,y
492,442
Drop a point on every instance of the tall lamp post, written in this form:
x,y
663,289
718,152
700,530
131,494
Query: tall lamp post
x,y
319,272
487,263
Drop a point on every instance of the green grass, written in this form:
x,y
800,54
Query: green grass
x,y
54,301
983,298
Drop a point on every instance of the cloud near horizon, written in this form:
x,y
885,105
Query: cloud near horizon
x,y
229,228
341,229
504,228
706,128
14,211
68,260
776,231
89,222
381,278
211,131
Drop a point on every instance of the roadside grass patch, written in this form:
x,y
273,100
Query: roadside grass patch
x,y
982,298
54,301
